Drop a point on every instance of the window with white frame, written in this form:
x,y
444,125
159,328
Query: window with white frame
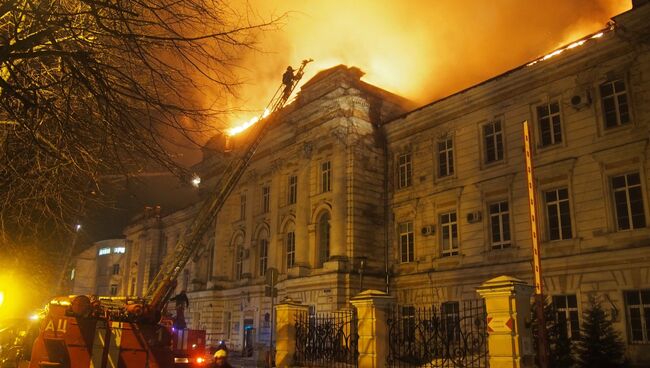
x,y
499,224
104,251
263,256
449,234
324,228
266,198
558,213
445,157
613,96
242,207
290,244
292,196
550,124
566,315
406,242
119,250
404,171
628,201
325,176
637,305
493,141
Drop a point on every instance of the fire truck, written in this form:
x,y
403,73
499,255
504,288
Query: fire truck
x,y
117,332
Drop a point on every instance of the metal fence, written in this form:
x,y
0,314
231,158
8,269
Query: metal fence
x,y
451,334
327,339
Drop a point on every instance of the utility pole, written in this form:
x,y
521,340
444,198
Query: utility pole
x,y
542,337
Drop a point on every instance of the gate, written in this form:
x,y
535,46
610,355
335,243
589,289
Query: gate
x,y
326,339
451,334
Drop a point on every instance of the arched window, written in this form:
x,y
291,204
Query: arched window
x,y
324,238
263,252
239,257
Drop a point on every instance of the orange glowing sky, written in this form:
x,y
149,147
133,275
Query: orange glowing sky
x,y
420,49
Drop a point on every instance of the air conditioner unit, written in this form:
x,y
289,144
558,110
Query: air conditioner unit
x,y
473,217
428,230
581,99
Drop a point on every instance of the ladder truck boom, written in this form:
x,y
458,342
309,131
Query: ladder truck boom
x,y
164,282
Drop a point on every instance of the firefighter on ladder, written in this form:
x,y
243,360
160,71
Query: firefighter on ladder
x,y
287,80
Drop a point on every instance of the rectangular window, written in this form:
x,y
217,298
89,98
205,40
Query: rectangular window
x,y
119,250
325,176
548,117
132,286
239,263
113,289
266,199
408,323
628,201
291,249
493,140
499,225
566,315
558,214
637,304
613,97
406,242
445,158
449,234
72,274
104,251
242,207
116,269
405,171
264,256
450,312
293,189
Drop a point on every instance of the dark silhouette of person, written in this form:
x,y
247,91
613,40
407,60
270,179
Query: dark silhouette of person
x,y
287,80
182,302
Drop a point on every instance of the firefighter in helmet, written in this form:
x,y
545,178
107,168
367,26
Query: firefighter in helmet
x,y
220,359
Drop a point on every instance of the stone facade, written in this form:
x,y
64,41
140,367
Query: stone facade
x,y
351,183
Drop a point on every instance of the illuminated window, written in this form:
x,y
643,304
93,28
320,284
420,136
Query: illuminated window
x,y
449,233
493,140
499,225
119,250
104,251
613,97
628,201
293,189
548,117
405,171
72,274
406,245
445,158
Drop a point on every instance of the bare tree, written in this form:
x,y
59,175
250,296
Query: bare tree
x,y
90,88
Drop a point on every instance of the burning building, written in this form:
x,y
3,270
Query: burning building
x,y
355,188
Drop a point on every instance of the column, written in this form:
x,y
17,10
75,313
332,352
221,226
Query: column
x,y
510,339
338,236
285,331
303,215
372,314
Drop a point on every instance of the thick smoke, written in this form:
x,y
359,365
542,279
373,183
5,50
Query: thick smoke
x,y
420,49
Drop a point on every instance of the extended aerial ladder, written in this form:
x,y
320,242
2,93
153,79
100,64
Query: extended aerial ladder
x,y
164,282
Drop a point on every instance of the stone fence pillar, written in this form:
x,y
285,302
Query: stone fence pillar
x,y
510,339
285,331
372,314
